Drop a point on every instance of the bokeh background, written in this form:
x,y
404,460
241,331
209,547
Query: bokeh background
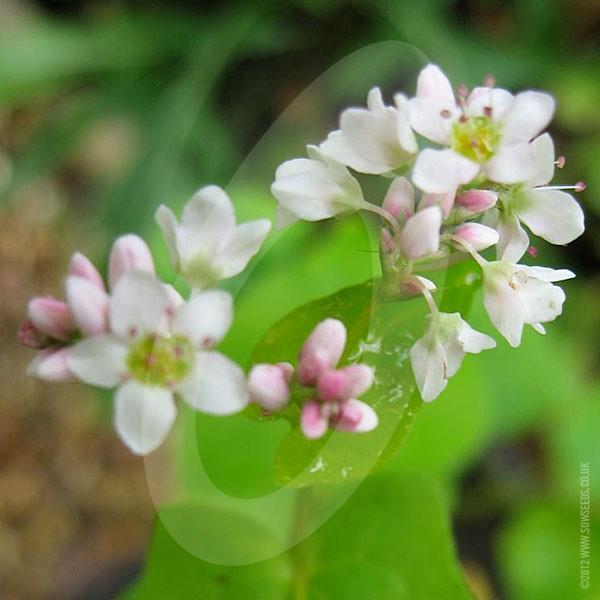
x,y
108,108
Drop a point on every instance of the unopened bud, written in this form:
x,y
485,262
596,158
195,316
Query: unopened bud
x,y
52,317
81,266
477,235
268,385
476,201
128,252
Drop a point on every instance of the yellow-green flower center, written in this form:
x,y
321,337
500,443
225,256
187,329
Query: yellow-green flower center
x,y
160,360
476,138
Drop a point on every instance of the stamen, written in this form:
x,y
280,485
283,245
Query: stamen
x,y
532,251
560,162
578,187
487,111
445,113
462,91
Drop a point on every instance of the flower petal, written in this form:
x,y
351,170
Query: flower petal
x,y
513,164
51,365
144,416
439,171
546,273
82,266
433,118
128,252
432,83
89,305
529,114
543,156
502,303
167,222
399,200
551,214
314,190
206,318
244,242
421,234
99,360
216,385
139,306
488,101
513,239
207,218
474,341
371,141
429,366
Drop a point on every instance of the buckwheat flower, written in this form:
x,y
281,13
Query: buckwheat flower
x,y
336,390
268,385
489,132
519,295
207,246
374,140
437,356
315,188
548,211
152,352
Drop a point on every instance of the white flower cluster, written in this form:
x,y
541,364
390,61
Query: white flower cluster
x,y
487,176
141,336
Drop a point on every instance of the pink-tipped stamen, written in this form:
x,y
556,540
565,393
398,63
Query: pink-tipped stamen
x,y
560,162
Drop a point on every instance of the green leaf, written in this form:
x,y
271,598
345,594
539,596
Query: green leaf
x,y
391,541
539,553
380,334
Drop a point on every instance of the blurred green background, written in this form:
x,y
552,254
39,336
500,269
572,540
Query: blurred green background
x,y
110,108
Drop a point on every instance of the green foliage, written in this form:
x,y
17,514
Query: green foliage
x,y
391,540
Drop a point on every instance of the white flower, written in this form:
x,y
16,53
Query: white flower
x,y
548,211
489,133
516,295
154,351
207,245
314,188
437,356
374,140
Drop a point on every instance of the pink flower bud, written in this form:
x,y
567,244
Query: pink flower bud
x,y
400,198
444,201
476,201
128,252
321,351
31,337
356,416
52,317
312,422
268,385
479,236
81,266
421,234
51,365
332,385
89,305
359,379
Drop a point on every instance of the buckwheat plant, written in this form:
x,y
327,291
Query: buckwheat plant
x,y
488,175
